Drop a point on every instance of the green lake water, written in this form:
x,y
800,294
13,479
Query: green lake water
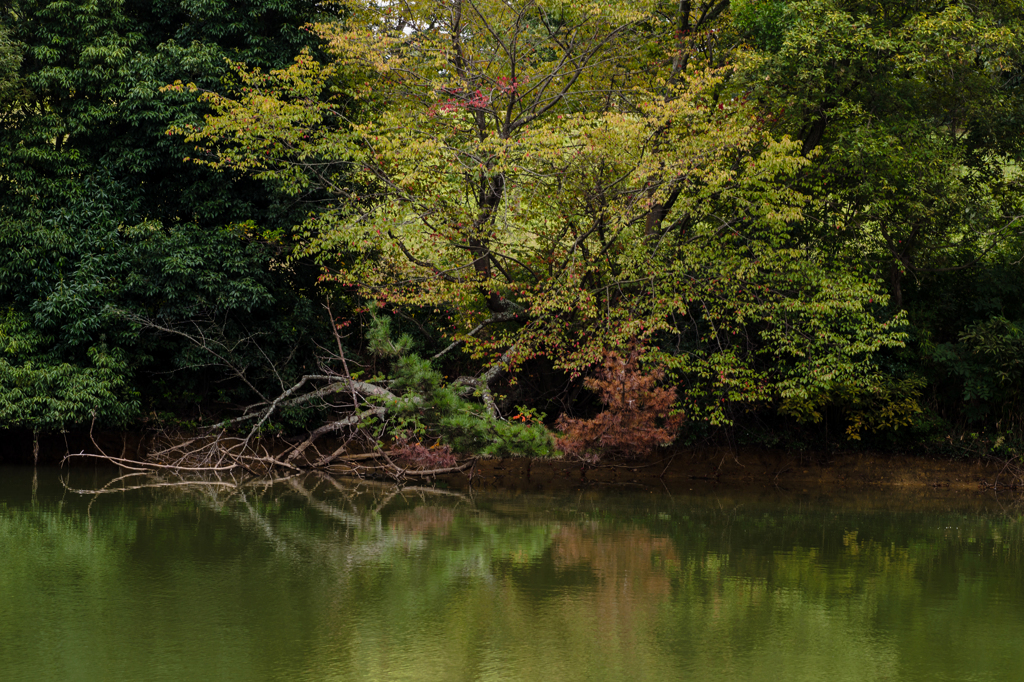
x,y
315,579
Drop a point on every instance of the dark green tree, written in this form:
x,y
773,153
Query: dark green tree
x,y
117,254
913,112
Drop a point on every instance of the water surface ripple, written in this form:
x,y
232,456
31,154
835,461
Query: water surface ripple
x,y
311,578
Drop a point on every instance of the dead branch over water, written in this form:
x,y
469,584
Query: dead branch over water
x,y
352,435
228,448
345,499
222,454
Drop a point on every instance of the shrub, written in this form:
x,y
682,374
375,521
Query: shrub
x,y
637,417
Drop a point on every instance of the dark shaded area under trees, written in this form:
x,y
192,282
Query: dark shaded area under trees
x,y
430,231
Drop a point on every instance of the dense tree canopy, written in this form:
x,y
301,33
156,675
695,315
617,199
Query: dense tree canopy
x,y
93,194
917,110
791,209
555,182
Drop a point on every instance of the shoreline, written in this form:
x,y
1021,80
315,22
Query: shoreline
x,y
747,469
674,469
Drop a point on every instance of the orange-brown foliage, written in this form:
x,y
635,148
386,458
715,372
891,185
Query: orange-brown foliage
x,y
418,456
636,418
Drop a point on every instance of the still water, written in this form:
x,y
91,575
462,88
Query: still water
x,y
316,579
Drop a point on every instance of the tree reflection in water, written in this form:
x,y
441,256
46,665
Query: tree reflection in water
x,y
330,579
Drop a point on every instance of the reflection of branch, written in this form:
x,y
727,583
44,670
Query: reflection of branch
x,y
264,525
323,507
395,471
351,504
144,486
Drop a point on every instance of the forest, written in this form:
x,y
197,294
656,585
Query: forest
x,y
579,228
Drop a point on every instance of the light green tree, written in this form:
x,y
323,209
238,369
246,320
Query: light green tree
x,y
558,180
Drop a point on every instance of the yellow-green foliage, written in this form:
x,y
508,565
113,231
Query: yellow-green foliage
x,y
557,180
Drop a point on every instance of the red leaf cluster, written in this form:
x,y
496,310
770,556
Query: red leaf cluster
x,y
418,456
637,416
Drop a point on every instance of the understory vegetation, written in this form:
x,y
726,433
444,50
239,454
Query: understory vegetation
x,y
287,234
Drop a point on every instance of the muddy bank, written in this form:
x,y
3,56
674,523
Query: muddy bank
x,y
747,469
679,469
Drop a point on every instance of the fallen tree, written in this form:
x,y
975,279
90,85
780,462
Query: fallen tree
x,y
404,423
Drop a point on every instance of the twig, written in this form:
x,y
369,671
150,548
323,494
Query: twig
x,y
145,466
